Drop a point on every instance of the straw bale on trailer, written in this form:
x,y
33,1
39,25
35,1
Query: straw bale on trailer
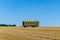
x,y
30,23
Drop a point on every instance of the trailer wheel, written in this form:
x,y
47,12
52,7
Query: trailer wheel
x,y
24,26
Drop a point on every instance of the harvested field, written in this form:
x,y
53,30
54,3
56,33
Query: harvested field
x,y
20,33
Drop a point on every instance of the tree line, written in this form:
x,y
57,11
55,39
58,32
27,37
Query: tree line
x,y
7,25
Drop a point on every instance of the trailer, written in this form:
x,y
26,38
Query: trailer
x,y
30,23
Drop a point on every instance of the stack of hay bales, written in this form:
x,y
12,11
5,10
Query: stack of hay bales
x,y
30,23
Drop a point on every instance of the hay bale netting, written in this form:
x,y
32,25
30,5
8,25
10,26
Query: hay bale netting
x,y
30,23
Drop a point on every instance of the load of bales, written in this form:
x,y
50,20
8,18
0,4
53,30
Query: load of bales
x,y
30,23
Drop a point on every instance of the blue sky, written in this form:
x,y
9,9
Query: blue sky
x,y
15,11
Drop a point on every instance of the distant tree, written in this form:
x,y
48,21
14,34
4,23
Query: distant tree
x,y
7,25
12,25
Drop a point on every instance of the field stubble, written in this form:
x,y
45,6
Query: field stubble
x,y
20,33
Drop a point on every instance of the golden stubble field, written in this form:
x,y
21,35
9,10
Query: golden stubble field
x,y
20,33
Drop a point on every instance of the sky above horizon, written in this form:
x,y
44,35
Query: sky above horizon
x,y
15,11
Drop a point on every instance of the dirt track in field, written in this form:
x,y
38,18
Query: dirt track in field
x,y
20,33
